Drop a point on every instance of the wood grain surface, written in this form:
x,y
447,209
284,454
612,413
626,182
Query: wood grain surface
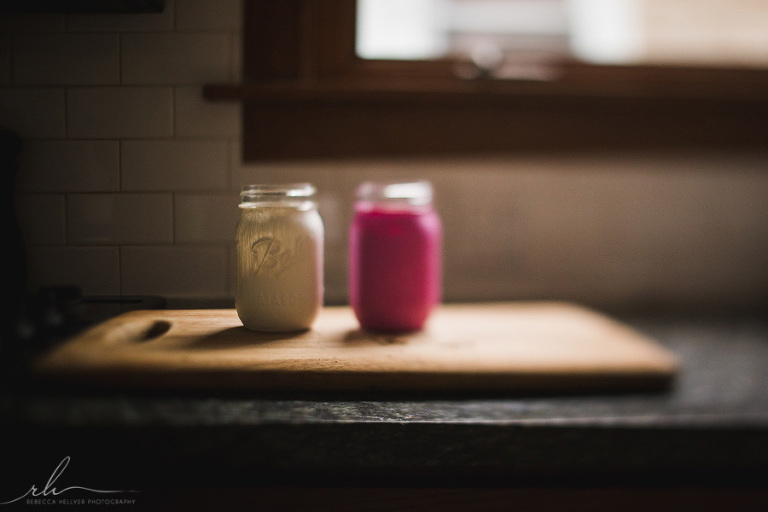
x,y
494,346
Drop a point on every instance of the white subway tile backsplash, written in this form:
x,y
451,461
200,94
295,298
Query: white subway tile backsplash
x,y
94,269
119,112
175,58
603,229
207,15
327,178
66,58
206,218
70,166
231,270
157,165
197,117
173,271
41,218
141,22
34,112
237,57
112,219
236,164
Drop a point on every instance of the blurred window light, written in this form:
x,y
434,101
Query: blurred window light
x,y
401,29
682,32
605,31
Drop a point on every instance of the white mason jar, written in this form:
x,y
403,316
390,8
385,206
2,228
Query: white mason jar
x,y
279,258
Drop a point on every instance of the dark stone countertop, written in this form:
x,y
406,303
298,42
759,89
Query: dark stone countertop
x,y
710,427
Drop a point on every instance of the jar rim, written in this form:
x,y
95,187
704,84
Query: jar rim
x,y
276,191
412,192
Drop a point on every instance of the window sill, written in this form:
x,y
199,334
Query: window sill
x,y
568,80
585,108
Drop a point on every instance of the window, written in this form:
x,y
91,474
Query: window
x,y
307,93
676,32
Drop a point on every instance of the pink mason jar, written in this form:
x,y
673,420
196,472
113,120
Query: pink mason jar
x,y
395,248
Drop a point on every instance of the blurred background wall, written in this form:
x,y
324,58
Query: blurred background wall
x,y
128,182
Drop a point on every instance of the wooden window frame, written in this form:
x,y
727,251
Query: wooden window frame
x,y
305,94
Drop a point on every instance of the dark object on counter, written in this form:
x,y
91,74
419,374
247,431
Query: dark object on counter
x,y
56,313
10,149
16,278
39,320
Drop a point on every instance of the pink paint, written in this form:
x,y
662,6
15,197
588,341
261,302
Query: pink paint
x,y
395,257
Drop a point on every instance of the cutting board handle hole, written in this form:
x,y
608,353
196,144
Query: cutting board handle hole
x,y
155,330
140,331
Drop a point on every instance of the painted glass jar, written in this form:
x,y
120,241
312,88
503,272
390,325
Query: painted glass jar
x,y
395,256
279,258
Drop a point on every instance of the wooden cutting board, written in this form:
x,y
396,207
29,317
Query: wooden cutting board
x,y
499,346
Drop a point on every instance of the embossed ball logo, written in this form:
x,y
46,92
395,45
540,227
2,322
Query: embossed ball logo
x,y
267,254
273,257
